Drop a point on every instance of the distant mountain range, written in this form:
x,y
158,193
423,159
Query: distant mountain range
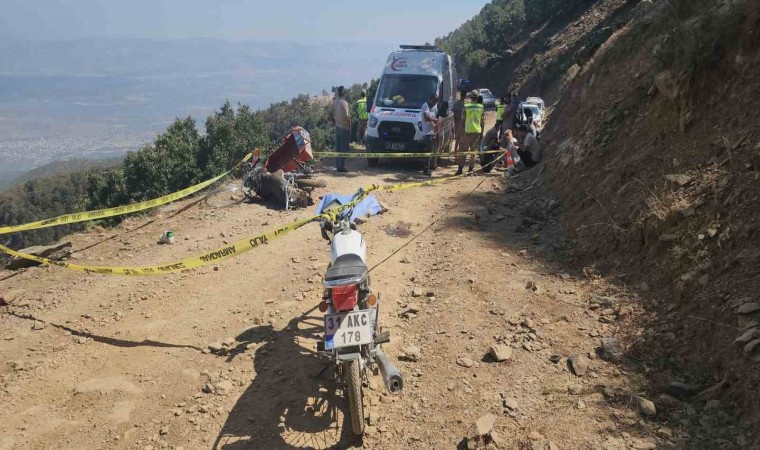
x,y
98,98
62,167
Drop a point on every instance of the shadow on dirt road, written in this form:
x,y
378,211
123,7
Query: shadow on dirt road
x,y
294,402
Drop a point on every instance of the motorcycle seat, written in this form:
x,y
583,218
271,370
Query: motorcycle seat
x,y
346,267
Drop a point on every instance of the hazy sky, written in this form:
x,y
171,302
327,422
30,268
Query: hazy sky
x,y
393,21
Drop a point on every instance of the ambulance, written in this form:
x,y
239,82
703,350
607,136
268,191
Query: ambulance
x,y
409,78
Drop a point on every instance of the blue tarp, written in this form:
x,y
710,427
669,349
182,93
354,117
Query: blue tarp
x,y
369,206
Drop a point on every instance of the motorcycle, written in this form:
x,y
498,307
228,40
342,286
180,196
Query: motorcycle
x,y
352,337
285,177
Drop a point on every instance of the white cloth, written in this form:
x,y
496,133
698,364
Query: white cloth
x,y
430,113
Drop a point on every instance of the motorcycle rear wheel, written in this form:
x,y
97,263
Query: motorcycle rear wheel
x,y
354,388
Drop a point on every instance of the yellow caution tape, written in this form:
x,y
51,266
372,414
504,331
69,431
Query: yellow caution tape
x,y
397,155
68,219
212,257
235,249
205,259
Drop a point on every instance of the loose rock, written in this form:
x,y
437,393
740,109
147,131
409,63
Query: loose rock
x,y
680,390
223,387
750,347
748,308
749,335
483,426
511,403
645,406
464,361
610,350
500,352
579,365
412,353
215,347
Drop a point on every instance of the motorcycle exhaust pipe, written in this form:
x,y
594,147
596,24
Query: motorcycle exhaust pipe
x,y
394,382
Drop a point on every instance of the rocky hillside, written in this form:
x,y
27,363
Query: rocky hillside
x,y
654,146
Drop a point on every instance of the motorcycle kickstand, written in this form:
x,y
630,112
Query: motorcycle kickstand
x,y
321,372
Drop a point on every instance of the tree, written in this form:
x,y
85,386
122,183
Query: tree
x,y
169,165
229,136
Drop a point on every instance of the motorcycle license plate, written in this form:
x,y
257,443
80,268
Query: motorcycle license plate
x,y
348,329
395,146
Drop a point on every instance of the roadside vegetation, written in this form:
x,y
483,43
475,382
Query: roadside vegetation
x,y
179,157
492,35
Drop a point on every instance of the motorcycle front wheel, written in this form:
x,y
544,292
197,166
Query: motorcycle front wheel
x,y
354,388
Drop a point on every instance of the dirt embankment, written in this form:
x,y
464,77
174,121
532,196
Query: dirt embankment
x,y
654,146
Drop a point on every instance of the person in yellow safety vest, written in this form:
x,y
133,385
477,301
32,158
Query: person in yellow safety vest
x,y
473,131
361,109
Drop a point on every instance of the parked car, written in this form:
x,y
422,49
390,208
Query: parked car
x,y
489,100
538,101
521,118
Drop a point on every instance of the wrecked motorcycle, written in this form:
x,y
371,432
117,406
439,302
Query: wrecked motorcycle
x,y
285,178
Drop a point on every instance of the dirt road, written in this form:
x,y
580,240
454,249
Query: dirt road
x,y
114,362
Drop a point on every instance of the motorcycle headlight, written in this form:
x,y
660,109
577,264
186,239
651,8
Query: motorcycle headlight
x,y
372,122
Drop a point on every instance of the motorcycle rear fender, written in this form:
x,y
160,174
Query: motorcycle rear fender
x,y
347,357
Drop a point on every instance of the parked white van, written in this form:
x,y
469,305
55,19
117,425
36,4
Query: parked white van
x,y
410,77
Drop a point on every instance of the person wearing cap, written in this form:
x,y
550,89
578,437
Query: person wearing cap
x,y
473,131
361,111
342,118
429,122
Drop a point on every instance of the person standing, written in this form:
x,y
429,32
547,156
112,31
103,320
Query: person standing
x,y
513,106
342,118
501,109
473,130
361,110
429,122
459,119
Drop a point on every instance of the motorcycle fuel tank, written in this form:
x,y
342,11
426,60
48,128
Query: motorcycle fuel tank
x,y
348,242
